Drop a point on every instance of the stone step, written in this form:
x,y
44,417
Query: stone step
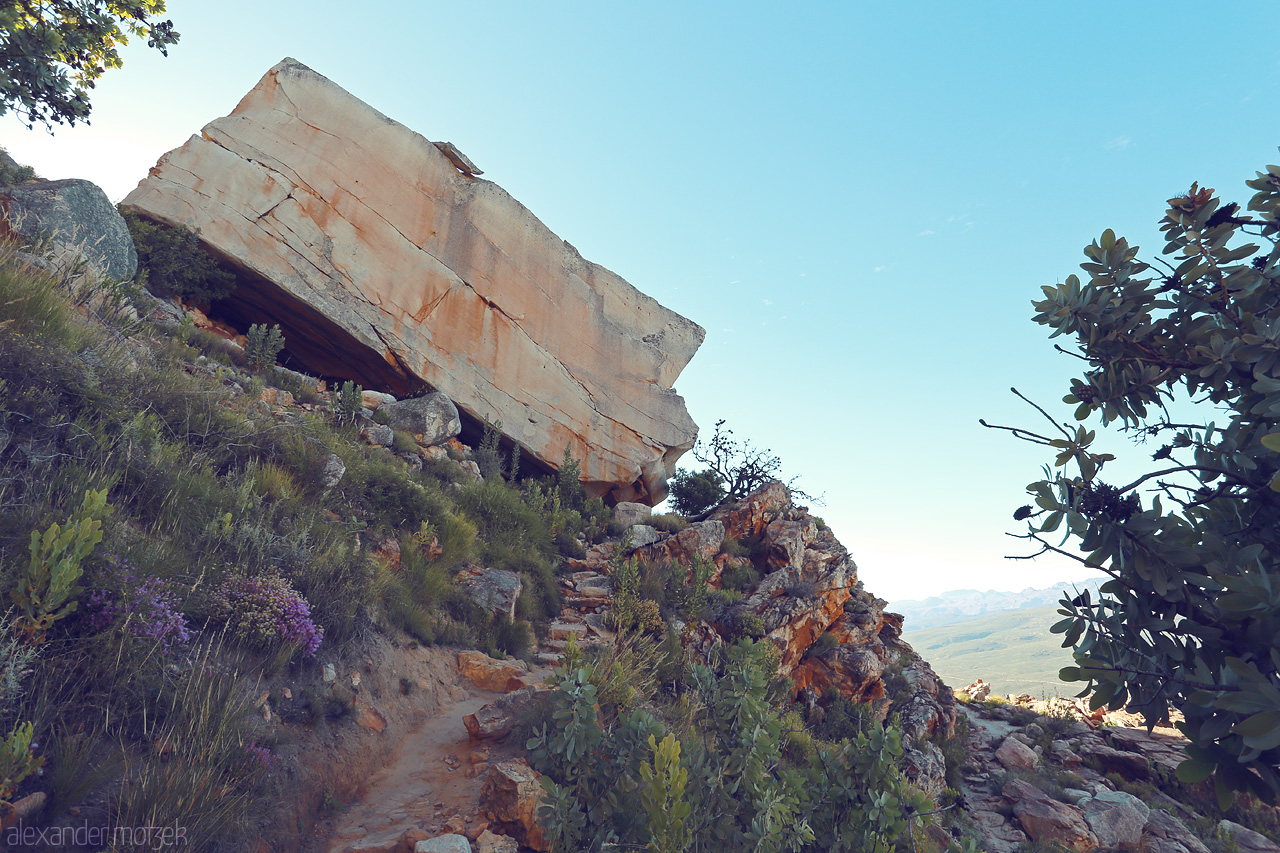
x,y
563,630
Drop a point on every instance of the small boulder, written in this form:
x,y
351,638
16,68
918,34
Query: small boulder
x,y
388,552
1013,753
643,534
1116,818
371,718
1247,841
77,218
434,417
629,513
1130,765
444,844
487,842
375,399
1046,820
378,434
1164,833
702,539
331,471
495,590
489,674
496,720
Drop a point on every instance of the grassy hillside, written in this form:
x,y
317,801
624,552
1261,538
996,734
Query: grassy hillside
x,y
1013,651
194,541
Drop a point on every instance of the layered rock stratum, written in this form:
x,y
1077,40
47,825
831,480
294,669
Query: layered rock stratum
x,y
385,262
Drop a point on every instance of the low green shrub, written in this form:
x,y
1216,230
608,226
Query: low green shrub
x,y
402,442
175,264
263,346
217,347
15,173
347,402
821,646
741,578
49,589
842,718
746,624
667,522
17,760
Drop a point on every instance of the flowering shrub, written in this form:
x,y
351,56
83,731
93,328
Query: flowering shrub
x,y
259,755
265,610
149,606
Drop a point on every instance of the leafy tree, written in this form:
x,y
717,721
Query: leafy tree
x,y
53,51
693,493
1190,617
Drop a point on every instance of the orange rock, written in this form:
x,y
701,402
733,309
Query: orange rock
x,y
369,717
510,798
750,517
489,674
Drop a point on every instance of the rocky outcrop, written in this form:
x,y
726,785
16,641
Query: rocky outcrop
x,y
383,262
76,218
1048,821
1048,780
831,635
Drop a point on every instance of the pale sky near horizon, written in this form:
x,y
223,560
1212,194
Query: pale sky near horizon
x,y
857,202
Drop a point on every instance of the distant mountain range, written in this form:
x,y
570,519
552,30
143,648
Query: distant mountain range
x,y
963,605
1001,637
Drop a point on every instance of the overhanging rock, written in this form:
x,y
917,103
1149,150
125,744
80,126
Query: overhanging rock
x,y
382,261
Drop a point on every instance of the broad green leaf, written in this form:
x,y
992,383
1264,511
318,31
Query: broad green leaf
x,y
1259,724
1194,770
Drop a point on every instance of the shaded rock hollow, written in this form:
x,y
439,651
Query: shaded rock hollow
x,y
385,263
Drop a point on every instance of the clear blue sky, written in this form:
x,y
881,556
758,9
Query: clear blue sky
x,y
856,201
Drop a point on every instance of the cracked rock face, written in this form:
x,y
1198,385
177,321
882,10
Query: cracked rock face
x,y
385,263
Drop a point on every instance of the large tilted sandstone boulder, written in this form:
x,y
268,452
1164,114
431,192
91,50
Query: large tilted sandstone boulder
x,y
385,263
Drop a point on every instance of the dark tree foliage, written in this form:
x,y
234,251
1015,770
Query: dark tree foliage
x,y
1190,617
736,468
175,263
53,51
696,492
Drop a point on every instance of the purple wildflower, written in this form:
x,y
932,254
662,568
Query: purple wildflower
x,y
267,609
149,606
260,754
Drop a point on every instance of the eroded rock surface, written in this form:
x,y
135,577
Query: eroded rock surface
x,y
77,219
385,263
